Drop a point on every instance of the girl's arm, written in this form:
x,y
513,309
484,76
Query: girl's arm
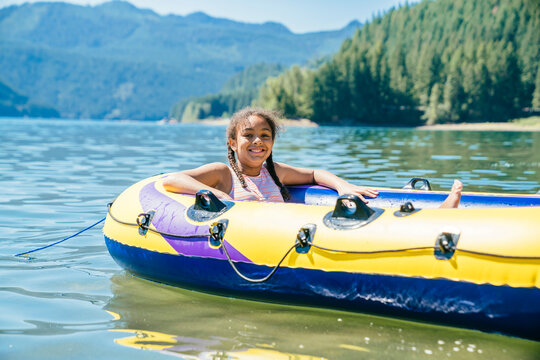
x,y
291,175
215,177
326,178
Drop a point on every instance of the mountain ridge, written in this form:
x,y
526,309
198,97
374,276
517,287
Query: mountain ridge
x,y
73,56
15,104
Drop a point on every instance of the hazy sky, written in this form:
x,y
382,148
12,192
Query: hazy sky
x,y
298,15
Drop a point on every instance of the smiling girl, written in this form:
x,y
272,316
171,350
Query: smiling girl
x,y
254,176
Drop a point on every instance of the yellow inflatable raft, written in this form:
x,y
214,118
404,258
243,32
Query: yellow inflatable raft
x,y
476,266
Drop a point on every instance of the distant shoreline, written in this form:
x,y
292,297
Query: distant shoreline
x,y
509,126
226,121
526,124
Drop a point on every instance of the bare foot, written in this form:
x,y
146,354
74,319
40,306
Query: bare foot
x,y
452,201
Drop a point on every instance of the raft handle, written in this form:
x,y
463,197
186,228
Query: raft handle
x,y
351,207
406,210
350,213
207,201
207,206
411,185
407,207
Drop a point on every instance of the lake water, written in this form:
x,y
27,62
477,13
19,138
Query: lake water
x,y
73,301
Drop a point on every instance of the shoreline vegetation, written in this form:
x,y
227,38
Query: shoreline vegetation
x,y
485,126
284,122
523,124
225,122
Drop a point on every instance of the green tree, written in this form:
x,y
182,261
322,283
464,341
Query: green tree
x,y
536,96
433,112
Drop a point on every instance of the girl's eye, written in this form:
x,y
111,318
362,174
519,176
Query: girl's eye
x,y
262,136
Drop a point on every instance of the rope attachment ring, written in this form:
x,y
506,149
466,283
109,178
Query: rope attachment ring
x,y
446,244
304,239
217,232
144,220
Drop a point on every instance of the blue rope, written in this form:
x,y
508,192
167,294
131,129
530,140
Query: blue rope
x,y
58,242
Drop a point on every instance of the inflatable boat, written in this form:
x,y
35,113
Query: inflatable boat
x,y
476,266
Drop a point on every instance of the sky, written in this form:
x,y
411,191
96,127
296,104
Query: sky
x,y
299,16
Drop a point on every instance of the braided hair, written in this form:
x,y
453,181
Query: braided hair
x,y
240,118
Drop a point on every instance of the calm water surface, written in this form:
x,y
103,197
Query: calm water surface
x,y
73,301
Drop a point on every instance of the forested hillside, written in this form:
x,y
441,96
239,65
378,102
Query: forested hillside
x,y
14,104
117,61
436,61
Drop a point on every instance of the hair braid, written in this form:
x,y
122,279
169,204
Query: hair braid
x,y
234,166
272,171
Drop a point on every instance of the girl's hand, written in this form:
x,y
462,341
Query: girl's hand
x,y
295,176
359,191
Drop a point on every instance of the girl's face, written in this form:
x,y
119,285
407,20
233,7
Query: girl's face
x,y
253,144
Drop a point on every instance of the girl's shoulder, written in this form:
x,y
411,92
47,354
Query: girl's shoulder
x,y
218,166
283,168
222,176
291,175
216,175
216,170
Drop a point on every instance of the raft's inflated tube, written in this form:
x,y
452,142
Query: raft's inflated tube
x,y
473,266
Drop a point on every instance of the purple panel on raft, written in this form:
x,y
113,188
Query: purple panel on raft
x,y
170,218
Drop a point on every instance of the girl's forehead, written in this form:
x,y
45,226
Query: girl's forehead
x,y
254,121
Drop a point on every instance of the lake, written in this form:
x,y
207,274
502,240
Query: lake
x,y
73,301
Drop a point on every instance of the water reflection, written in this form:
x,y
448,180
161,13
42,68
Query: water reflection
x,y
201,326
171,344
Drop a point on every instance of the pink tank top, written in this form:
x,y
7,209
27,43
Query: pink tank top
x,y
259,188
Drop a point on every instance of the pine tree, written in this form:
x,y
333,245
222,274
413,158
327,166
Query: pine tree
x,y
433,113
507,87
536,96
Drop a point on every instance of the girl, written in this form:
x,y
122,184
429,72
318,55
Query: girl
x,y
254,176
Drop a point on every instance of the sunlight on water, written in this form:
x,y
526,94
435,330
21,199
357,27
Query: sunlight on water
x,y
58,176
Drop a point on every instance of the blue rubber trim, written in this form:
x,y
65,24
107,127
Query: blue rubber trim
x,y
309,194
514,311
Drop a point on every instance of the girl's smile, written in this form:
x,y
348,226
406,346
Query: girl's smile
x,y
257,151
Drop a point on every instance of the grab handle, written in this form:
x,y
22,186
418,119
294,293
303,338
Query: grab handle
x,y
207,201
350,206
207,206
411,185
350,213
